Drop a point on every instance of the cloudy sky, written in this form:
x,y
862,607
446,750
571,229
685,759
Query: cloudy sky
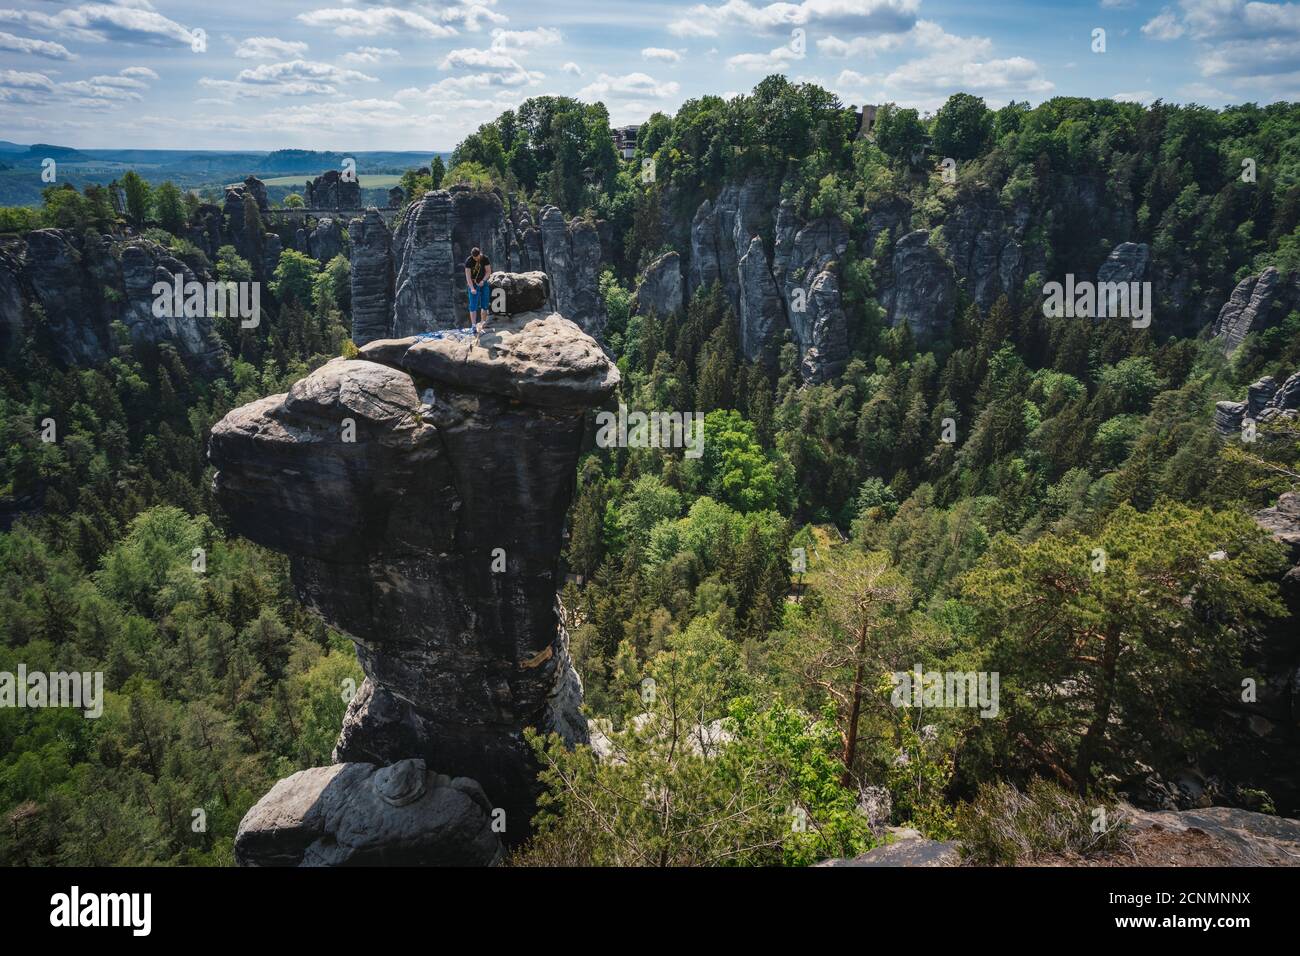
x,y
409,74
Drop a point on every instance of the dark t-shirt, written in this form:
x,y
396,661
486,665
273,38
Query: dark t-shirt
x,y
477,269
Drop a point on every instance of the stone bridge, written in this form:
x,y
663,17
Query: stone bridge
x,y
343,215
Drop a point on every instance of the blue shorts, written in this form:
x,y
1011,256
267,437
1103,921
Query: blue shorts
x,y
478,300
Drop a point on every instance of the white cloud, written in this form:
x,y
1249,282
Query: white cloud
x,y
861,46
106,91
948,62
370,54
269,48
352,22
1164,26
888,16
46,48
1244,40
519,42
572,68
290,78
1138,96
777,59
629,84
660,53
134,22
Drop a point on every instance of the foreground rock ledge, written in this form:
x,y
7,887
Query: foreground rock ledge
x,y
420,492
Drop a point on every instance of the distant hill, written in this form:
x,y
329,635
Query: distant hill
x,y
8,147
62,153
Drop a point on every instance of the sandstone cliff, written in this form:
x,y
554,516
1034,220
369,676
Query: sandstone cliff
x,y
84,285
412,279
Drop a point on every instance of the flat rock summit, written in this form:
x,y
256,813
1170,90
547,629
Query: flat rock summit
x,y
419,490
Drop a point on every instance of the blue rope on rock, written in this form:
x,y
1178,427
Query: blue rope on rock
x,y
444,333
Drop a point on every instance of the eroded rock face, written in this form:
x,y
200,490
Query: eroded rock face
x,y
1257,303
425,267
331,191
326,240
660,290
571,255
86,284
432,538
805,266
358,814
922,291
371,277
424,261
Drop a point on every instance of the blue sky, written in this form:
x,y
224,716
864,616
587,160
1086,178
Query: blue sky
x,y
402,74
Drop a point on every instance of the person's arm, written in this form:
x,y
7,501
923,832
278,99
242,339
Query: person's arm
x,y
469,280
487,272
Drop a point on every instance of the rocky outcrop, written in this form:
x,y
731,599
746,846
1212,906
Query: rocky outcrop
x,y
424,262
762,313
805,267
331,191
905,847
921,290
84,285
572,256
659,291
245,230
1127,262
1210,836
795,287
420,492
984,243
357,814
425,268
371,278
1257,303
1266,401
326,240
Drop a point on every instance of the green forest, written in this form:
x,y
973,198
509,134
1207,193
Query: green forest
x,y
771,716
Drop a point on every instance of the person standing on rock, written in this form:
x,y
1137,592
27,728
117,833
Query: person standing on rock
x,y
478,268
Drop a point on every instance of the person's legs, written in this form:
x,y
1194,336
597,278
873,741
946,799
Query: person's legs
x,y
474,308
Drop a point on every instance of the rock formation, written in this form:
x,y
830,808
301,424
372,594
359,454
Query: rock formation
x,y
572,256
420,492
357,814
1265,402
659,291
331,191
921,290
1213,836
1257,303
1127,262
86,284
371,277
326,240
426,255
254,244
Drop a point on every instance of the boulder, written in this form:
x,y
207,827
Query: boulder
x,y
360,814
522,291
